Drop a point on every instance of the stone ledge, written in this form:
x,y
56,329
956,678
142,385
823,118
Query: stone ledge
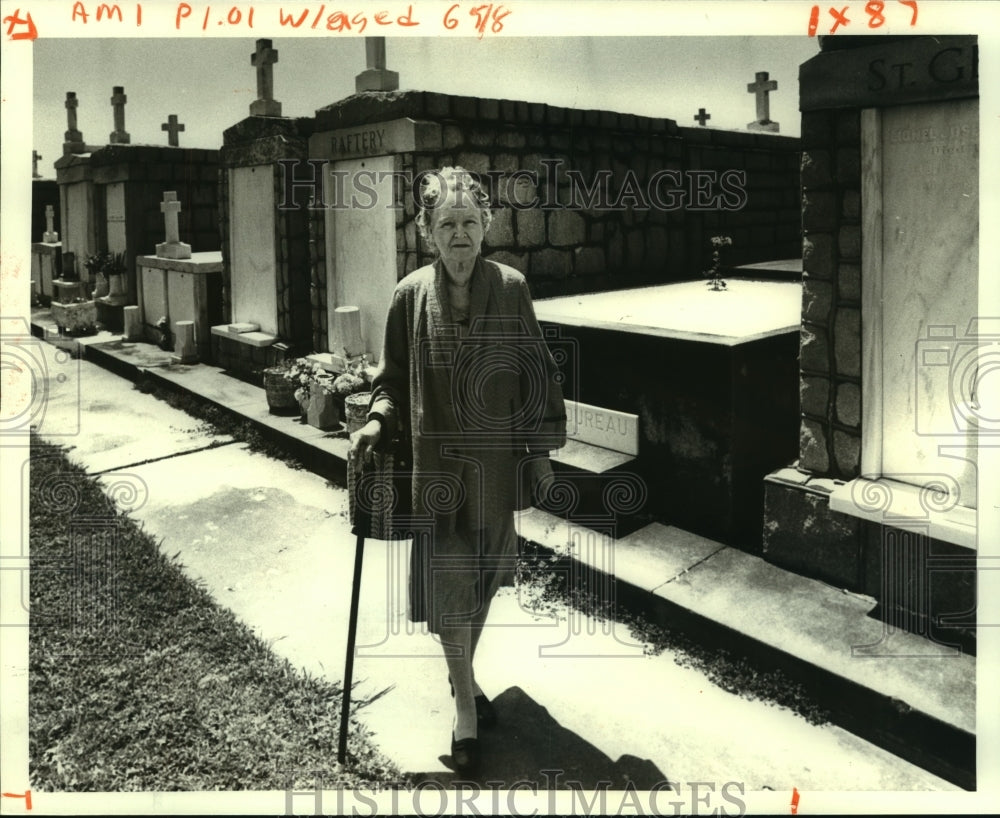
x,y
590,458
904,509
254,339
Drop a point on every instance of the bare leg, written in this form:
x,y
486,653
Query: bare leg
x,y
456,641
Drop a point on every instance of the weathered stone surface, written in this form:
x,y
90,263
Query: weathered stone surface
x,y
519,261
551,263
814,395
819,211
849,404
847,341
802,533
589,261
812,447
530,227
849,282
511,139
813,350
817,299
451,137
849,242
847,451
501,232
474,162
848,165
817,255
566,228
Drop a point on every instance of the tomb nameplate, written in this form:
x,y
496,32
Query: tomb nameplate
x,y
900,72
383,138
607,428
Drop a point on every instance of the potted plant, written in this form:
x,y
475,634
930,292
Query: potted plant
x,y
314,392
280,390
95,265
115,270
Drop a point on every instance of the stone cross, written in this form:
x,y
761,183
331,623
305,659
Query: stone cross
x,y
35,156
375,52
50,236
118,100
74,139
173,247
263,58
376,77
702,117
761,86
172,127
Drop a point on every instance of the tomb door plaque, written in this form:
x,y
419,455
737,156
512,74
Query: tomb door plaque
x,y
252,247
361,244
921,237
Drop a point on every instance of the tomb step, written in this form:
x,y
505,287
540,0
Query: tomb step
x,y
910,695
597,486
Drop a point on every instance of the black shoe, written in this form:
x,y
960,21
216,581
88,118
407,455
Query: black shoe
x,y
465,754
486,716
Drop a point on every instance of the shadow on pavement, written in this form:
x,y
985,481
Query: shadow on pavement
x,y
527,741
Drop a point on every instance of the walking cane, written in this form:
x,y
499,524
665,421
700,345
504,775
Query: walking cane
x,y
362,527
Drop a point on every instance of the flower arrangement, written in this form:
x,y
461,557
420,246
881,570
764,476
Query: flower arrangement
x,y
309,378
718,242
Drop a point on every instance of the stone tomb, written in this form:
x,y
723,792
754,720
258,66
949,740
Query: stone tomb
x,y
712,379
360,241
45,257
884,497
182,287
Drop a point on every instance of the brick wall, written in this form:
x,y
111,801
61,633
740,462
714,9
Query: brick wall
x,y
830,351
565,247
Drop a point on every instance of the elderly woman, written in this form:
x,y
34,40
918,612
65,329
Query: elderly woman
x,y
467,377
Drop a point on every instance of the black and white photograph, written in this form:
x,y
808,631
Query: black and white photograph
x,y
496,408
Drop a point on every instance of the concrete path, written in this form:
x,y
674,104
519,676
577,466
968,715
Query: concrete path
x,y
273,544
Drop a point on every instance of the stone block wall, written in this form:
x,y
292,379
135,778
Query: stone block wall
x,y
639,232
148,172
830,348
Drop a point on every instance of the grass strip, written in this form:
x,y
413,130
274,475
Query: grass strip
x,y
139,681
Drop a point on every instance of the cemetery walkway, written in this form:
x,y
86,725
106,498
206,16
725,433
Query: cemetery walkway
x,y
576,698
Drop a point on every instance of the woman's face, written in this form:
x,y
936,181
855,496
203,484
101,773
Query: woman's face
x,y
458,230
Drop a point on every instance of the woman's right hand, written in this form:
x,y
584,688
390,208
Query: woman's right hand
x,y
363,444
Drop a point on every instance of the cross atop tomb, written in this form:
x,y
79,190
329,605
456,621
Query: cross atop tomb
x,y
262,59
35,156
702,117
172,127
118,100
376,77
50,236
761,87
74,139
173,247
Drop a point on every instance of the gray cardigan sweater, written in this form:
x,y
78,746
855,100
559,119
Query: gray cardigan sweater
x,y
479,402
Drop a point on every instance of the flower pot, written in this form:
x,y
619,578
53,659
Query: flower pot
x,y
322,412
101,287
280,392
356,410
